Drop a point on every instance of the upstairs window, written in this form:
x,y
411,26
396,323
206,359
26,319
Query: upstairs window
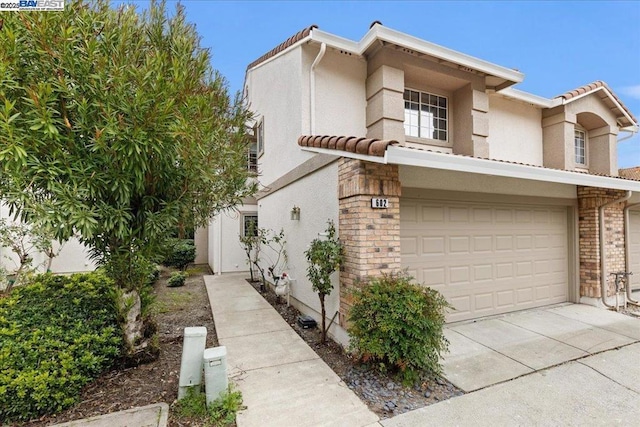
x,y
425,115
252,158
580,146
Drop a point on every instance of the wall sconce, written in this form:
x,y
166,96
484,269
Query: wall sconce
x,y
295,214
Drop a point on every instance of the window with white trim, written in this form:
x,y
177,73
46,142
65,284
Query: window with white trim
x,y
425,115
252,158
249,224
580,145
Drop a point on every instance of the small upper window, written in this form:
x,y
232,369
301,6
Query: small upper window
x,y
260,136
580,145
425,115
252,158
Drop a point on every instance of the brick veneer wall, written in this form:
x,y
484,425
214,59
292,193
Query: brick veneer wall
x,y
371,237
589,200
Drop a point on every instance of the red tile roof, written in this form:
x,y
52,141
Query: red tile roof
x,y
590,88
377,147
631,173
351,144
282,46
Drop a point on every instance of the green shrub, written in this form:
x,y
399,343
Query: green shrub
x,y
179,253
399,326
221,412
176,279
56,335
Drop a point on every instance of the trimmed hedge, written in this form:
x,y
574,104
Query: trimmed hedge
x,y
56,335
398,325
180,253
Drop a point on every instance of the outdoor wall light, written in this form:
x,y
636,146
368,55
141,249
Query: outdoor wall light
x,y
295,214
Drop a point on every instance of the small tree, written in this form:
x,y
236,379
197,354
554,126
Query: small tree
x,y
324,257
24,239
265,251
249,245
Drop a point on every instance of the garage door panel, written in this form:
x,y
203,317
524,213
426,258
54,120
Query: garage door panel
x,y
487,259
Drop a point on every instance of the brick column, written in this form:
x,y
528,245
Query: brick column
x,y
371,237
589,200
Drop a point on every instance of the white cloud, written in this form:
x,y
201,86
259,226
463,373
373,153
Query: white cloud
x,y
632,91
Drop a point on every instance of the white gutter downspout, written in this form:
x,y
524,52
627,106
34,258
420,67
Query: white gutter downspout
x,y
312,89
632,132
603,268
627,255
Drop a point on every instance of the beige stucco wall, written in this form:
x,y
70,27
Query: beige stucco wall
x,y
317,197
201,241
72,255
224,239
415,177
515,132
275,94
340,93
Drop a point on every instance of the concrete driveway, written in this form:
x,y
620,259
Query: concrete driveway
x,y
490,351
569,365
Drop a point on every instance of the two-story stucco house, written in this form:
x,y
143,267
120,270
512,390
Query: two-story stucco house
x,y
429,160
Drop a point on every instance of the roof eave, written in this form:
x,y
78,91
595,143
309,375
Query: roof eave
x,y
411,157
378,32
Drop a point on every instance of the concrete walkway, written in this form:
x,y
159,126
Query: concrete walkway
x,y
282,380
155,415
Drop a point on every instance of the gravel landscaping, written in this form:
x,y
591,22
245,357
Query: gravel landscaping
x,y
383,394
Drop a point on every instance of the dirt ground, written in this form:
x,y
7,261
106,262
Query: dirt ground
x,y
125,388
176,308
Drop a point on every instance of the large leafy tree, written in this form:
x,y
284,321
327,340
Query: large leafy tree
x,y
115,126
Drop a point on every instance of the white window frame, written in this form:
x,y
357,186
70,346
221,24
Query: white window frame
x,y
243,222
580,131
259,132
252,157
409,128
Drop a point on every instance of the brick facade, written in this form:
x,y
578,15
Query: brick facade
x,y
589,200
371,237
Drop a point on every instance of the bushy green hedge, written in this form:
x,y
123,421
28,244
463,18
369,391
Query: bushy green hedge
x,y
179,253
56,335
398,326
176,279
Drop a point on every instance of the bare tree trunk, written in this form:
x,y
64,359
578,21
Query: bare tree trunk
x,y
324,331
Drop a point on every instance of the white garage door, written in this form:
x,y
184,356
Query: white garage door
x,y
634,248
486,258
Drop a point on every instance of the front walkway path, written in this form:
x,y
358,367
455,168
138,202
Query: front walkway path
x,y
282,380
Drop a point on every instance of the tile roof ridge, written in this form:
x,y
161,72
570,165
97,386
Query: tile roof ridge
x,y
284,45
352,144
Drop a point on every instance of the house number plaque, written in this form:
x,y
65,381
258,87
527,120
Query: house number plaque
x,y
379,203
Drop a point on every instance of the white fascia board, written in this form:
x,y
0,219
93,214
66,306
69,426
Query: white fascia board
x,y
527,97
340,153
334,41
379,32
412,157
609,94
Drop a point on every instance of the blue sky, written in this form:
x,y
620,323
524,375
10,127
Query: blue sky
x,y
557,45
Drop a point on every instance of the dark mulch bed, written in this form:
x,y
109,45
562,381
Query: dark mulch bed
x,y
124,388
384,394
